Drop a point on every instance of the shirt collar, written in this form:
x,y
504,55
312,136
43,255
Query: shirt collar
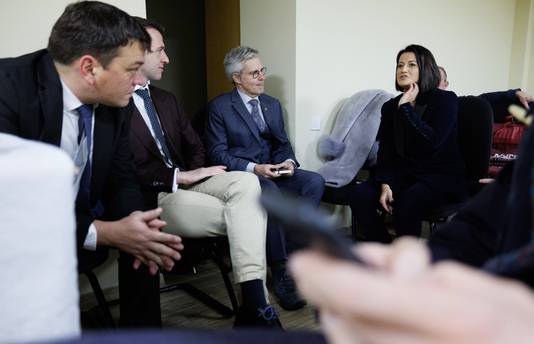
x,y
246,98
70,101
143,87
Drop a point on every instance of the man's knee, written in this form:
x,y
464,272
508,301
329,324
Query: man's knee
x,y
245,181
316,182
268,185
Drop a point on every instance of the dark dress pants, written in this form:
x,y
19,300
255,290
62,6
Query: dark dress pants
x,y
139,295
307,185
412,200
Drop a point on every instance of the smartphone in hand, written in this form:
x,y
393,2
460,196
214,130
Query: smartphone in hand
x,y
308,226
281,171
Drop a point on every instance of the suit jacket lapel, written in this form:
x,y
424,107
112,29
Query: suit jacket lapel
x,y
168,124
268,114
241,109
51,98
141,131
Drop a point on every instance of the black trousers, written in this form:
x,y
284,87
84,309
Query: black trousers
x,y
412,200
139,295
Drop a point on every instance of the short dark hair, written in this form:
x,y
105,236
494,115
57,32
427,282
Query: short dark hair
x,y
146,23
429,77
94,28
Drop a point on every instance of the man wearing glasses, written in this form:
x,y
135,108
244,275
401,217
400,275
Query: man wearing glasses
x,y
245,132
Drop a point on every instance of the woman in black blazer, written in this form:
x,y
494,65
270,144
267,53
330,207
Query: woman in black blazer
x,y
419,163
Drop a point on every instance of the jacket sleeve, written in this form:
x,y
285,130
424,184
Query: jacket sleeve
x,y
440,120
386,151
217,141
9,122
500,101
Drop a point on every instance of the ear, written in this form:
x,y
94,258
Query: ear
x,y
88,67
236,78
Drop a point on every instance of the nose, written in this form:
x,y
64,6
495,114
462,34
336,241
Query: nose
x,y
164,57
261,76
139,79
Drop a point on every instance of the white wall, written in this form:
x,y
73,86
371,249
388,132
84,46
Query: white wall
x,y
344,46
25,25
269,26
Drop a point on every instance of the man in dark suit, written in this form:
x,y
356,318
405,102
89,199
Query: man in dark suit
x,y
198,201
73,95
245,132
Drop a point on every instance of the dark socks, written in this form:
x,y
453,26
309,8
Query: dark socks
x,y
253,295
278,269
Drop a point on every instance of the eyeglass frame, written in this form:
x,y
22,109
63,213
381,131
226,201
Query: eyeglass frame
x,y
256,74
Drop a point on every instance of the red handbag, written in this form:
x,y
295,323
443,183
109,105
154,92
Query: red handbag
x,y
506,138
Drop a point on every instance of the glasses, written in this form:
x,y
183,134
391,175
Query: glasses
x,y
255,74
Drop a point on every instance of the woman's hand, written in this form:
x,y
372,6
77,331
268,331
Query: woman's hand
x,y
386,198
409,95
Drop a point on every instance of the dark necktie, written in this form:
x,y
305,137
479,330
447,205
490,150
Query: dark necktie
x,y
156,126
85,122
256,115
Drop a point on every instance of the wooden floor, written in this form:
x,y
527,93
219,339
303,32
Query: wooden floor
x,y
181,311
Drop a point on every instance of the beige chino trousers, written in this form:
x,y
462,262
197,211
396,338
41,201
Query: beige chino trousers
x,y
225,204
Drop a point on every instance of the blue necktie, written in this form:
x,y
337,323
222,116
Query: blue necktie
x,y
256,115
156,126
85,122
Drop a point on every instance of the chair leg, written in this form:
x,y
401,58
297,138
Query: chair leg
x,y
102,303
204,298
224,269
353,227
200,296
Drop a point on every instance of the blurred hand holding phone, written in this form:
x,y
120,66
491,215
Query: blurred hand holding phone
x,y
308,226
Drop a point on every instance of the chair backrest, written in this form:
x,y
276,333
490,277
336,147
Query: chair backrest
x,y
475,118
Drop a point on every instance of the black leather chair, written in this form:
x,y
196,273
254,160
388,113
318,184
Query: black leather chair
x,y
475,119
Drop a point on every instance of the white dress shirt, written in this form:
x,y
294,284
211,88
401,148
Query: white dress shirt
x,y
77,152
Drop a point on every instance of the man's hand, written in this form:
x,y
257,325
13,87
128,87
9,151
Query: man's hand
x,y
286,165
402,299
266,170
193,176
524,98
386,198
139,235
409,95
